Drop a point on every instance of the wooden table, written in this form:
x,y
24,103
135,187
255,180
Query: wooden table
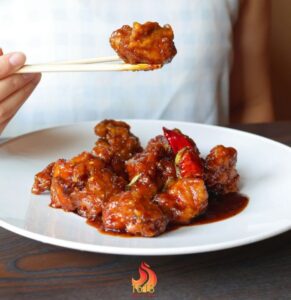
x,y
32,270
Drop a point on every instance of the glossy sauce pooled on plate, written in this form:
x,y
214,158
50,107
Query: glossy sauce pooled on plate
x,y
219,209
144,192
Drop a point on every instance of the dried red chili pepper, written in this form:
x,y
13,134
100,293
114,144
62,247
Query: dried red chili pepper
x,y
178,140
187,161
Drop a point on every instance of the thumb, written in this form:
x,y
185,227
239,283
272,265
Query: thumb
x,y
11,62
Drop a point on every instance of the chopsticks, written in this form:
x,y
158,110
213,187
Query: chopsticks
x,y
86,68
102,59
97,64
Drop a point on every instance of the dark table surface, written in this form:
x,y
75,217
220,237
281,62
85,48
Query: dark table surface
x,y
32,270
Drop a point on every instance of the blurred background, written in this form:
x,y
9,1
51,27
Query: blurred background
x,y
281,57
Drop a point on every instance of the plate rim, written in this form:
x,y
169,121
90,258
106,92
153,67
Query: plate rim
x,y
141,251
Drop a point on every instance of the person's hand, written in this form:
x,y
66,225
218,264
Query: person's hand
x,y
14,89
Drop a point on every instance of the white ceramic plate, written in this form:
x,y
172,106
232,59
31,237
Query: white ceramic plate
x,y
264,166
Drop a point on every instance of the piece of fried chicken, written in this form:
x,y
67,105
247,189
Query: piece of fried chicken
x,y
133,211
156,161
81,184
221,176
144,43
116,144
183,200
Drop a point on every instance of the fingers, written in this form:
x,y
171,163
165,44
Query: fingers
x,y
12,103
13,83
14,89
3,125
11,62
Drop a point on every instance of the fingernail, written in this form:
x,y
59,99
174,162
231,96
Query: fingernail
x,y
17,59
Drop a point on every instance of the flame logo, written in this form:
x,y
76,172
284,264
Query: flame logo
x,y
147,280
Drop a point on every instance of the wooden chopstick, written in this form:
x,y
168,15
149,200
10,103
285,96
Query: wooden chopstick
x,y
102,59
89,67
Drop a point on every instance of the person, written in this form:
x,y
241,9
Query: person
x,y
220,74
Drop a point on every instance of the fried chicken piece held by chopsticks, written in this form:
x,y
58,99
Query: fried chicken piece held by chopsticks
x,y
144,43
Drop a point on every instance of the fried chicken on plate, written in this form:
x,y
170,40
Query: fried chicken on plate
x,y
139,191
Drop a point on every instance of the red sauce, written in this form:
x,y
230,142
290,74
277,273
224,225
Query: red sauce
x,y
219,208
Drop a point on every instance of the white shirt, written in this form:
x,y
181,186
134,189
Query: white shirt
x,y
193,87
